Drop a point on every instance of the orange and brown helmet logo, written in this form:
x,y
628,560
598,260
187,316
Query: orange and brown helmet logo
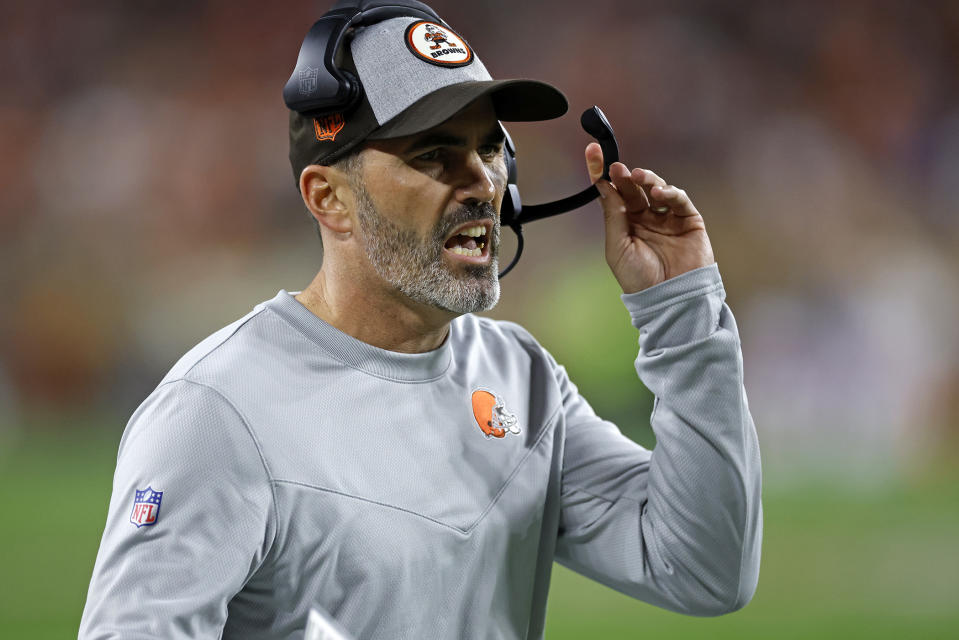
x,y
491,415
326,127
438,44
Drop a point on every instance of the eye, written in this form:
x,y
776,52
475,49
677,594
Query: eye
x,y
490,150
431,156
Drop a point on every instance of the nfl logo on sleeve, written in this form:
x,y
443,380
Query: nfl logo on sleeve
x,y
146,507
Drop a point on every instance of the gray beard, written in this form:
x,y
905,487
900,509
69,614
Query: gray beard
x,y
415,266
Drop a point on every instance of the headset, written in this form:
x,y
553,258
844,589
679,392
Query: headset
x,y
338,90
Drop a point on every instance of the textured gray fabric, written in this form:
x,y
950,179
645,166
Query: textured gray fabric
x,y
301,468
381,47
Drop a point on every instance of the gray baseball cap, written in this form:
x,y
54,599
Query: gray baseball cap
x,y
415,74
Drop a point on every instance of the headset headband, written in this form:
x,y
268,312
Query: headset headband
x,y
336,89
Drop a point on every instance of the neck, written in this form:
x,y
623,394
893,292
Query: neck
x,y
387,320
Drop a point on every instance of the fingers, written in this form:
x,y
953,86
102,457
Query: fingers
x,y
663,198
632,192
650,180
614,208
647,178
673,199
636,190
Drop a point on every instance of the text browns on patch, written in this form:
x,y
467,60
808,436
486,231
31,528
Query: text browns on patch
x,y
438,45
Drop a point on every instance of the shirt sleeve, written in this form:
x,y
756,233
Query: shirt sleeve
x,y
679,527
190,519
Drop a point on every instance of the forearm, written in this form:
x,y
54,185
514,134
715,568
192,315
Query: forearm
x,y
702,518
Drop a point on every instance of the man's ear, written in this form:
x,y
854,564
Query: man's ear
x,y
326,193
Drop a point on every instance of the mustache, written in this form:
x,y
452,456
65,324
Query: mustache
x,y
468,213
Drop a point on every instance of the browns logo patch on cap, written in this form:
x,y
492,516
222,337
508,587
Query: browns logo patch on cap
x,y
438,45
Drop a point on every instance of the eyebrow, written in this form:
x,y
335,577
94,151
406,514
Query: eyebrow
x,y
441,139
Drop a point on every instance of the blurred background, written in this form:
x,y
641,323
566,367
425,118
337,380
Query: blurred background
x,y
146,200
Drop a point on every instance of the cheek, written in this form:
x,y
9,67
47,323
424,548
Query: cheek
x,y
499,174
405,194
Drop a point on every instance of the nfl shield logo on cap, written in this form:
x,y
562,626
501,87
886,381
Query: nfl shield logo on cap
x,y
146,507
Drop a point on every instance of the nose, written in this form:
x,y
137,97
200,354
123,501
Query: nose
x,y
475,183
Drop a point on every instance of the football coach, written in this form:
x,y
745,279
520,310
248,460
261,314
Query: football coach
x,y
368,450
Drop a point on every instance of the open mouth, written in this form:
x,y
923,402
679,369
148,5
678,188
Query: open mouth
x,y
470,242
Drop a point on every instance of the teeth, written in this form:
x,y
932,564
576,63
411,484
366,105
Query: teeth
x,y
473,232
467,252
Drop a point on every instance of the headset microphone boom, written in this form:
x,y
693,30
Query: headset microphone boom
x,y
514,214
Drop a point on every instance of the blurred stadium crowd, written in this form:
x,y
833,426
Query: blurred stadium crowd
x,y
146,199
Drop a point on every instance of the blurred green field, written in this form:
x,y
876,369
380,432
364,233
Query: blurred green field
x,y
837,563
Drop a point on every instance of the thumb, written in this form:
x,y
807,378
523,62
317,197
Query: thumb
x,y
614,207
594,161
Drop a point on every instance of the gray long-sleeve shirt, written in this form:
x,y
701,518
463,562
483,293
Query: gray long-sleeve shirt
x,y
282,465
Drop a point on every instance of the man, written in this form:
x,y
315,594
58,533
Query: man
x,y
370,450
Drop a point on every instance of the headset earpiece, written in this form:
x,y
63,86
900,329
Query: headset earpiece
x,y
317,84
512,204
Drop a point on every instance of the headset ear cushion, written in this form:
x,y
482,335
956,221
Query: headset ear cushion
x,y
509,155
512,205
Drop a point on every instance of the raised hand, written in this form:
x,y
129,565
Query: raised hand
x,y
653,231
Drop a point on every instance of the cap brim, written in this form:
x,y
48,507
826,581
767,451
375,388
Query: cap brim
x,y
513,101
